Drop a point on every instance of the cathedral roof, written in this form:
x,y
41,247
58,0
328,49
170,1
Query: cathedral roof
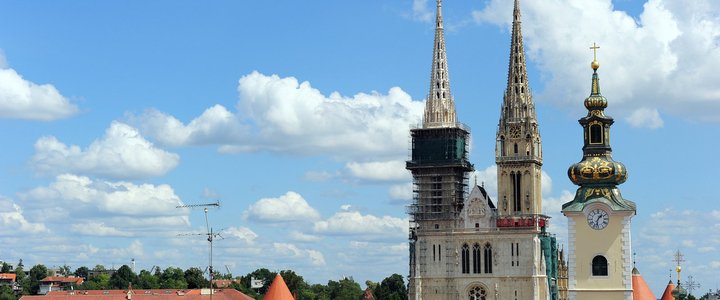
x,y
278,290
667,295
641,290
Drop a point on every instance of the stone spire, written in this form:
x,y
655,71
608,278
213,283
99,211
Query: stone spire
x,y
518,103
440,106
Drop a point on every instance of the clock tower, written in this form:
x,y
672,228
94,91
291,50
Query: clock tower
x,y
600,252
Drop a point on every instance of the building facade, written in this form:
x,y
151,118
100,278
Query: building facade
x,y
463,245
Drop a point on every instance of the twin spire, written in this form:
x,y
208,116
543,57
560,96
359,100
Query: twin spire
x,y
517,102
440,106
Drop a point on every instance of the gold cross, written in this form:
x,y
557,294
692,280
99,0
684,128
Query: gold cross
x,y
594,49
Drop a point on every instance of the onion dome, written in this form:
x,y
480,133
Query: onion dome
x,y
597,173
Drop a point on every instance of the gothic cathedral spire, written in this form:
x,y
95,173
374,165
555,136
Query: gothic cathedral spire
x,y
519,149
440,106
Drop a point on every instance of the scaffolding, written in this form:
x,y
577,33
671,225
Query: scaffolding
x,y
440,167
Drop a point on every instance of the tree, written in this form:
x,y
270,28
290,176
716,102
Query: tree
x,y
296,284
82,272
346,288
262,274
147,280
6,292
99,268
97,282
5,268
22,279
391,288
122,278
173,278
37,273
195,279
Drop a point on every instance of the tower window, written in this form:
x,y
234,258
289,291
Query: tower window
x,y
476,258
465,259
595,134
433,252
515,179
516,148
599,266
488,258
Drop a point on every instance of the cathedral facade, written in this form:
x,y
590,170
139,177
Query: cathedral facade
x,y
464,245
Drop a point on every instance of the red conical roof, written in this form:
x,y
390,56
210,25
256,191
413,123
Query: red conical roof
x,y
641,291
278,290
667,295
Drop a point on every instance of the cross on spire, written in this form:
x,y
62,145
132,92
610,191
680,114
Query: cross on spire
x,y
594,49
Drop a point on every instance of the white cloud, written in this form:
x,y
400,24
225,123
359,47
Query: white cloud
x,y
487,178
96,228
393,170
354,223
121,153
715,264
285,115
552,206
666,59
242,233
420,11
318,176
645,117
316,257
706,249
14,222
3,60
401,191
290,207
303,237
22,99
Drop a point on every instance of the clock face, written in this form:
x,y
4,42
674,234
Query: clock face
x,y
515,131
598,219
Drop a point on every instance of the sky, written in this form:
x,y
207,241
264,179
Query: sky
x,y
295,115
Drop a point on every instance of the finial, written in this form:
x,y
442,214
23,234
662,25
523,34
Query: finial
x,y
595,64
634,258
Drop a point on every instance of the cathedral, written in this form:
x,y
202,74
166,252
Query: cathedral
x,y
464,245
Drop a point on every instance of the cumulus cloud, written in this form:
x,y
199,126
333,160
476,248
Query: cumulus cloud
x,y
665,60
315,257
121,153
421,11
353,223
487,178
96,228
303,237
118,198
14,222
290,207
242,233
285,115
401,191
23,99
393,170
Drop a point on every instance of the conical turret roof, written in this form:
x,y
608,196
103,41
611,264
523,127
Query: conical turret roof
x,y
667,295
278,290
641,290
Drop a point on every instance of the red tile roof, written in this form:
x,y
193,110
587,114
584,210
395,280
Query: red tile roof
x,y
159,294
61,279
223,283
667,295
278,290
641,290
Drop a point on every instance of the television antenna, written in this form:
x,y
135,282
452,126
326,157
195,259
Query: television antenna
x,y
210,235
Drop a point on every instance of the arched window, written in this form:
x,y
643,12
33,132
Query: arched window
x,y
502,145
477,293
599,266
488,258
516,148
476,258
465,259
517,192
595,134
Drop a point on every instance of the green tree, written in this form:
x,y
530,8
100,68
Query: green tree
x,y
321,292
262,274
173,278
5,268
391,288
195,279
147,280
82,272
98,282
99,268
37,273
296,283
22,279
122,278
6,292
345,289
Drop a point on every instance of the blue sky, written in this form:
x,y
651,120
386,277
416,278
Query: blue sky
x,y
295,115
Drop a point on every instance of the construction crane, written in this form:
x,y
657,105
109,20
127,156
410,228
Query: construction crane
x,y
210,235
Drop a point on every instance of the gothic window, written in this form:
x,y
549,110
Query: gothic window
x,y
515,179
465,259
595,134
502,145
433,252
488,258
516,79
477,293
522,90
599,266
476,258
516,148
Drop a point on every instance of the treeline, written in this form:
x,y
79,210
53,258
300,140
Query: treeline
x,y
99,278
